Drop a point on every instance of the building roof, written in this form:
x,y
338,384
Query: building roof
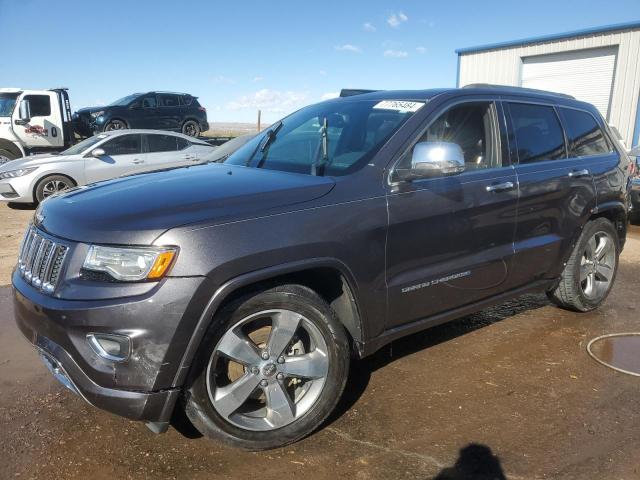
x,y
551,37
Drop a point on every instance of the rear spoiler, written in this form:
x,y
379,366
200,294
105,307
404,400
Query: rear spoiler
x,y
350,92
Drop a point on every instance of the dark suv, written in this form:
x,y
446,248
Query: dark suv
x,y
240,291
179,112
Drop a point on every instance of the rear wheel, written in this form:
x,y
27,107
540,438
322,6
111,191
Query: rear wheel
x,y
191,128
271,368
591,270
52,184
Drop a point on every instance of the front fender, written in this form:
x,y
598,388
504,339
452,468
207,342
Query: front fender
x,y
228,288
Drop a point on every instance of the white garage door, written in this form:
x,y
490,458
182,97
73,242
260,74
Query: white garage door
x,y
585,74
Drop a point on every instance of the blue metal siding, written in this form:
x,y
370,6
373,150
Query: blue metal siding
x,y
547,38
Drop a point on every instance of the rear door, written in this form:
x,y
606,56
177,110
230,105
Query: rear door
x,y
169,111
166,151
557,191
450,239
123,156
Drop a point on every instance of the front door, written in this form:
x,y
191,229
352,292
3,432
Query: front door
x,y
450,239
123,155
44,128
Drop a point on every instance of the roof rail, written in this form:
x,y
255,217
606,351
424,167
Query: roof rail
x,y
350,92
518,89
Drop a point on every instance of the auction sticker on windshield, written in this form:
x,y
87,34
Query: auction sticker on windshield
x,y
399,105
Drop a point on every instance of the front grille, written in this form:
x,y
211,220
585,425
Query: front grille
x,y
41,260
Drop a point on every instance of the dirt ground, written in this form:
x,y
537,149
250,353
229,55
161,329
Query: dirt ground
x,y
506,393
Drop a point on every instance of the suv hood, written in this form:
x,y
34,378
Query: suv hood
x,y
88,110
137,209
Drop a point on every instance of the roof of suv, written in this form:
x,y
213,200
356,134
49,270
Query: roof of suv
x,y
484,89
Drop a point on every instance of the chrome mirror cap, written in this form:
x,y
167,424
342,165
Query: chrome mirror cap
x,y
97,152
435,159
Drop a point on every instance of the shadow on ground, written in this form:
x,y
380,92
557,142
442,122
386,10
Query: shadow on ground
x,y
475,462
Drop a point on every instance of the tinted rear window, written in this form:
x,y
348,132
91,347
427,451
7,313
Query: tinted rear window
x,y
162,143
585,135
538,133
168,100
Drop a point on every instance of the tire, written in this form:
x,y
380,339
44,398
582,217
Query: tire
x,y
52,184
6,156
582,286
191,128
313,400
115,125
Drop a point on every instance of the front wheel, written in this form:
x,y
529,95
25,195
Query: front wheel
x,y
591,270
271,369
115,125
52,184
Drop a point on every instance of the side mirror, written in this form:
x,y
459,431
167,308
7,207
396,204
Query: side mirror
x,y
97,152
436,159
25,110
635,151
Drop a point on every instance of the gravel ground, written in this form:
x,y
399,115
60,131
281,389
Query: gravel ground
x,y
506,393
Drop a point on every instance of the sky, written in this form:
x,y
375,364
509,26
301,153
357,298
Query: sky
x,y
277,56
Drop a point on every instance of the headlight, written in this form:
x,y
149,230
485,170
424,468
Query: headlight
x,y
17,173
130,264
97,114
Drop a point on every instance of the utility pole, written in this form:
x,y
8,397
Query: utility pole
x,y
259,114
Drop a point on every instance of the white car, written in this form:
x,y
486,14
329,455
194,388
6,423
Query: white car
x,y
101,157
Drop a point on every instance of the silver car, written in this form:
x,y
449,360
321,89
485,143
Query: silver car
x,y
101,157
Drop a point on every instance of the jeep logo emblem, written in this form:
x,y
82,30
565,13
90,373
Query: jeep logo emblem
x,y
269,370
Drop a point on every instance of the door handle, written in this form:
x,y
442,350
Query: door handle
x,y
500,187
138,161
579,173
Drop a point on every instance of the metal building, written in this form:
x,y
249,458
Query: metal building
x,y
597,65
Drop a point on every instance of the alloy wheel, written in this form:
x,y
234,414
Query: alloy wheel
x,y
115,125
597,266
54,186
267,370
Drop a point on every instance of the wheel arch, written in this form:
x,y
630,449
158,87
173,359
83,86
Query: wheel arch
x,y
328,277
616,213
11,147
37,181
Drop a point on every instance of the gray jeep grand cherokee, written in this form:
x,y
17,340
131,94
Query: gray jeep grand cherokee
x,y
240,291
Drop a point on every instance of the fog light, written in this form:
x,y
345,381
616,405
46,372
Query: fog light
x,y
115,348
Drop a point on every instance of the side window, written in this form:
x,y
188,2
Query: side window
x,y
168,100
149,102
182,143
585,135
161,143
122,145
473,127
40,105
186,100
538,133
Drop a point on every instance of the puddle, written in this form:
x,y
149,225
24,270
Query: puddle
x,y
619,351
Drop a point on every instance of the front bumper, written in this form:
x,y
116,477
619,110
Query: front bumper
x,y
159,323
19,189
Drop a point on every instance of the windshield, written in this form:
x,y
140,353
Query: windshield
x,y
7,102
124,101
332,138
86,144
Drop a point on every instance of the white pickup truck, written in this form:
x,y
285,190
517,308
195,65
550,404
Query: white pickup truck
x,y
34,121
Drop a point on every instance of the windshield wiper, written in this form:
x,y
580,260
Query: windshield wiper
x,y
322,155
271,136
